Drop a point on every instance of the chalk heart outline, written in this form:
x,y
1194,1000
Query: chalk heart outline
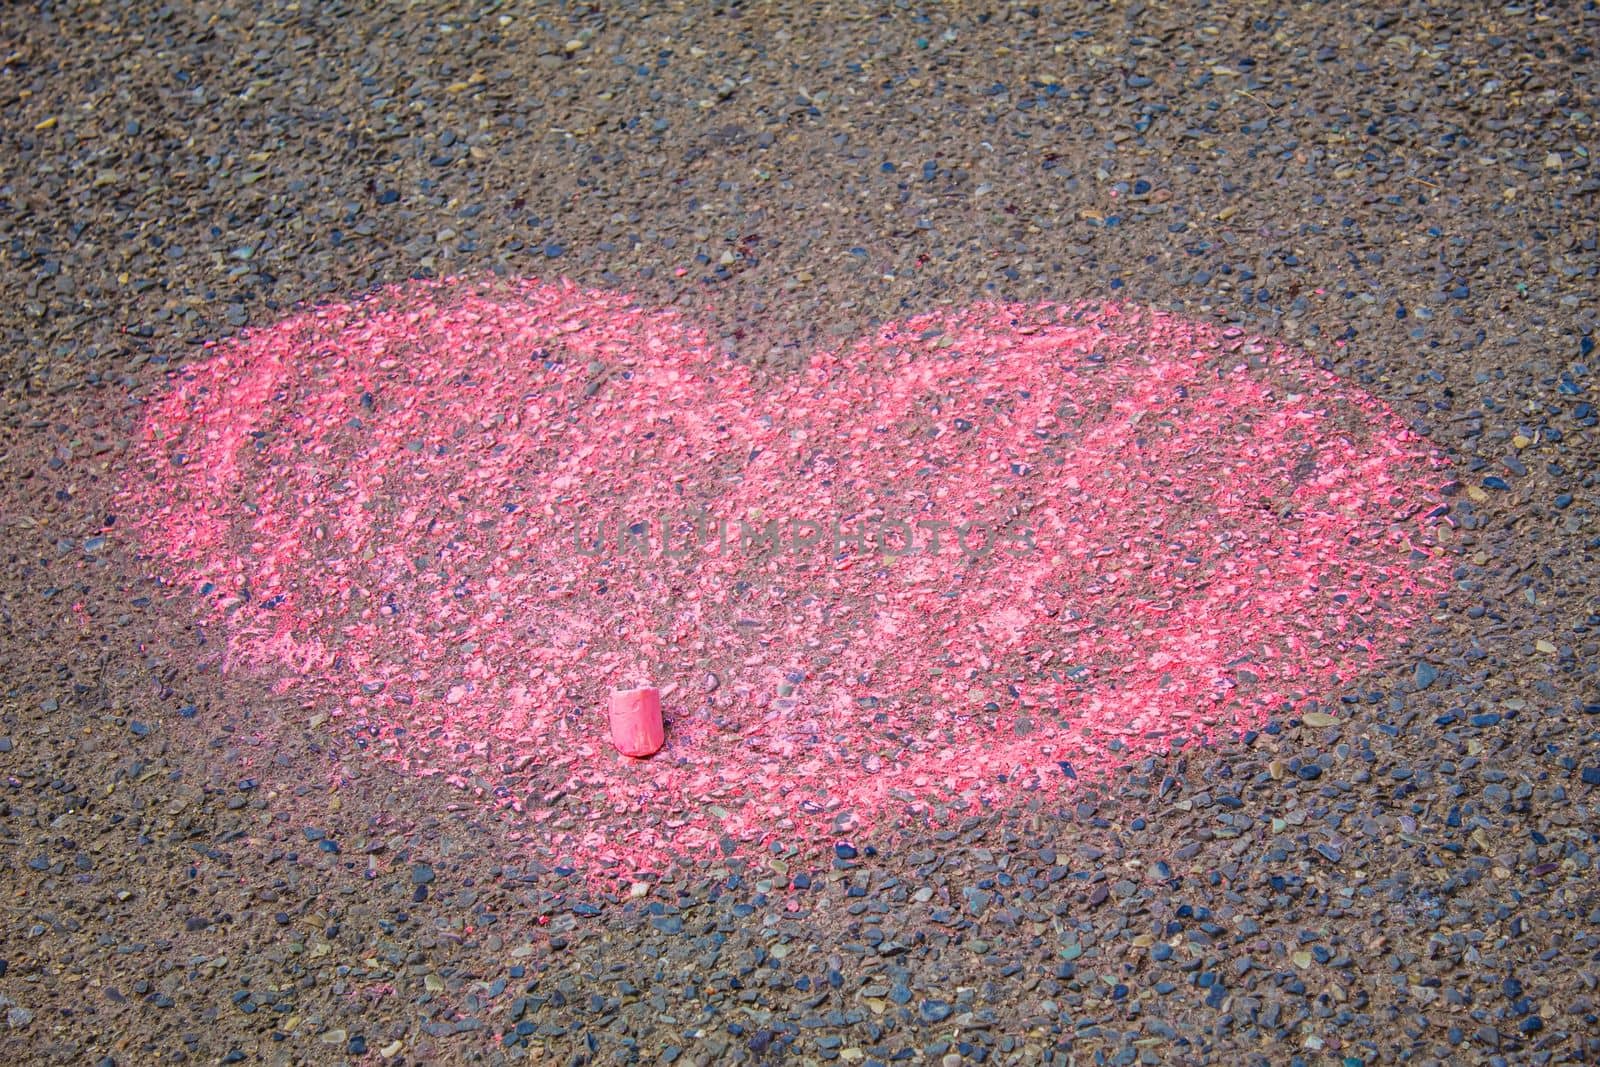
x,y
386,502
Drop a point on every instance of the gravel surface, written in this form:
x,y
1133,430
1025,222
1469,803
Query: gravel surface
x,y
202,867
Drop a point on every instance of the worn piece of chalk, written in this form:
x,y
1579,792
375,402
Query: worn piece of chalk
x,y
636,727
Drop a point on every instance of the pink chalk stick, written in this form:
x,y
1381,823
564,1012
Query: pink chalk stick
x,y
636,727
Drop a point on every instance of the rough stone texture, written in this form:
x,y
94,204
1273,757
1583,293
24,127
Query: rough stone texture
x,y
202,871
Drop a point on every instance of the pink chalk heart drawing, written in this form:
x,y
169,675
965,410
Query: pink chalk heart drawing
x,y
973,556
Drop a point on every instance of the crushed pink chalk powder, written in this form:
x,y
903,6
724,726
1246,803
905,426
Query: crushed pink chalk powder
x,y
419,506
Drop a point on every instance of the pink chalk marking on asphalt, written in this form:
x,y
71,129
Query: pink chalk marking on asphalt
x,y
384,502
